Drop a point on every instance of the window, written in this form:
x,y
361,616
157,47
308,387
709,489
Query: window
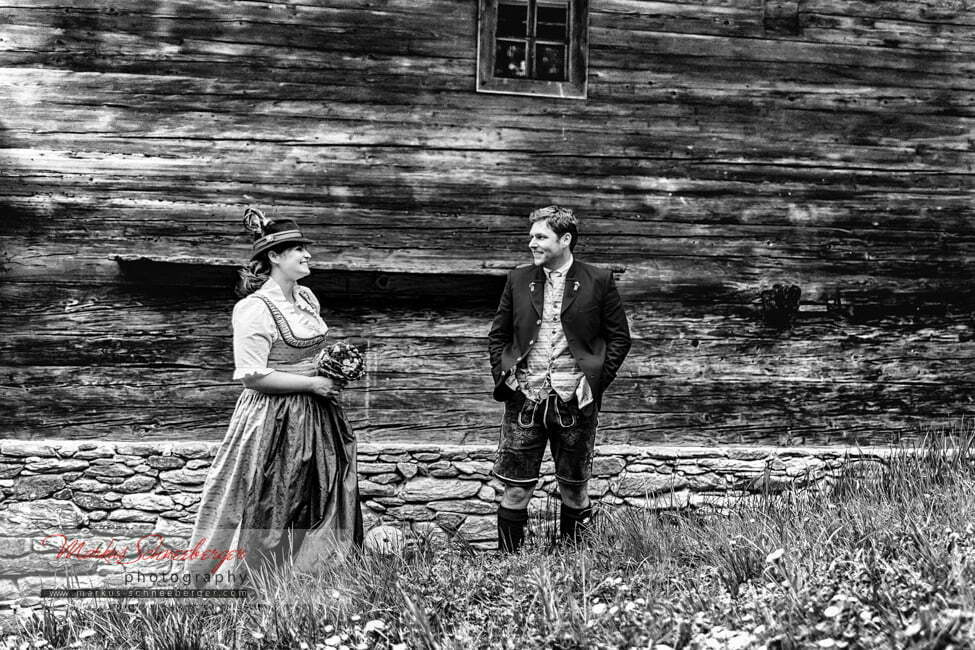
x,y
533,47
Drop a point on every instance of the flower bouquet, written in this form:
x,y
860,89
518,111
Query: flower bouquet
x,y
342,362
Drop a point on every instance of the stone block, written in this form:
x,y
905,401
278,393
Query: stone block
x,y
136,449
386,479
171,528
436,489
733,466
669,501
136,484
8,589
401,457
641,485
427,456
709,481
607,465
147,502
487,493
8,470
621,451
444,473
477,528
407,470
186,500
100,469
598,487
191,450
177,479
464,507
165,462
449,521
412,512
127,515
26,449
370,489
474,467
375,468
94,453
14,546
59,465
90,501
42,516
29,488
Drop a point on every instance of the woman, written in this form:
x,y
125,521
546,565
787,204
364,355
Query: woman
x,y
283,484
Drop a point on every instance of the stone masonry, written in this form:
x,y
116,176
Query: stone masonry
x,y
112,495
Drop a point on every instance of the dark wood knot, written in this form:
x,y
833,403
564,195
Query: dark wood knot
x,y
780,305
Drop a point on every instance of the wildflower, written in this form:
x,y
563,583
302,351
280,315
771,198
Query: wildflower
x,y
599,609
774,555
832,611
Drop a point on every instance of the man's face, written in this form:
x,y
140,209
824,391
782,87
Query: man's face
x,y
548,249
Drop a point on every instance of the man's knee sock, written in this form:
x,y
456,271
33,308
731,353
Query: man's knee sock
x,y
511,528
573,521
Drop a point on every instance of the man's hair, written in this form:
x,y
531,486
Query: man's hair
x,y
560,220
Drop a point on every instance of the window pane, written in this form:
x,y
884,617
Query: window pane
x,y
512,21
551,22
550,62
509,59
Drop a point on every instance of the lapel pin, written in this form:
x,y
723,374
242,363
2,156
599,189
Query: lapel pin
x,y
575,286
531,287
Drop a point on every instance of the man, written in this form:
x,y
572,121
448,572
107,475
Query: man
x,y
556,343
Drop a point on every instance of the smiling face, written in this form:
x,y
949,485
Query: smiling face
x,y
291,263
547,248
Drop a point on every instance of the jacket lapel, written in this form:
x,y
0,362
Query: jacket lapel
x,y
571,288
537,290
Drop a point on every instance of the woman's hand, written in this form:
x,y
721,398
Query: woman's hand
x,y
325,386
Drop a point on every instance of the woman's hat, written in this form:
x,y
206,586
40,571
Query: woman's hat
x,y
271,233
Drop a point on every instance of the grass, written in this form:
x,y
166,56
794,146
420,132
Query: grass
x,y
881,557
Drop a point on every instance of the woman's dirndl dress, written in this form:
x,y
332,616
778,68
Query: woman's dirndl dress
x,y
283,486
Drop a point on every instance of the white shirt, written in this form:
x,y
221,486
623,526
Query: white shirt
x,y
255,330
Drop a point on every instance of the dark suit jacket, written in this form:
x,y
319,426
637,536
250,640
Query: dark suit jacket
x,y
592,317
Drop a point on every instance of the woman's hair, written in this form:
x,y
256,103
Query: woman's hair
x,y
255,273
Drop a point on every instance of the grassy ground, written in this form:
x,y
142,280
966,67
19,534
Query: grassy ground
x,y
884,557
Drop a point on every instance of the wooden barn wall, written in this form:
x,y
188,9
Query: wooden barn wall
x,y
724,147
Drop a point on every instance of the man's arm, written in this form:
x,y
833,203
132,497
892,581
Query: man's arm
x,y
615,331
502,331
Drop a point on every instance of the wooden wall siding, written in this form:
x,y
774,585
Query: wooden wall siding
x,y
714,157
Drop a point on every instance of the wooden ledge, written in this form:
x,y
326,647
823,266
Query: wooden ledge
x,y
366,264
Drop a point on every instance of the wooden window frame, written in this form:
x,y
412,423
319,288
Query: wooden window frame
x,y
577,55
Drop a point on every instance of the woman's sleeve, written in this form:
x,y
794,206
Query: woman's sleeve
x,y
254,331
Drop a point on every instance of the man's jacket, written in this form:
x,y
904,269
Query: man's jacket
x,y
592,317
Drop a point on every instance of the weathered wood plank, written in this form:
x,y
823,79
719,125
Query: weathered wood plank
x,y
349,100
168,401
155,364
868,215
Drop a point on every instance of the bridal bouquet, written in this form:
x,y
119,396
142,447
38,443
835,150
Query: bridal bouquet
x,y
342,362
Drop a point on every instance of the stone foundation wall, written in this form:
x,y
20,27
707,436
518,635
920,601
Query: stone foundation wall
x,y
125,491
